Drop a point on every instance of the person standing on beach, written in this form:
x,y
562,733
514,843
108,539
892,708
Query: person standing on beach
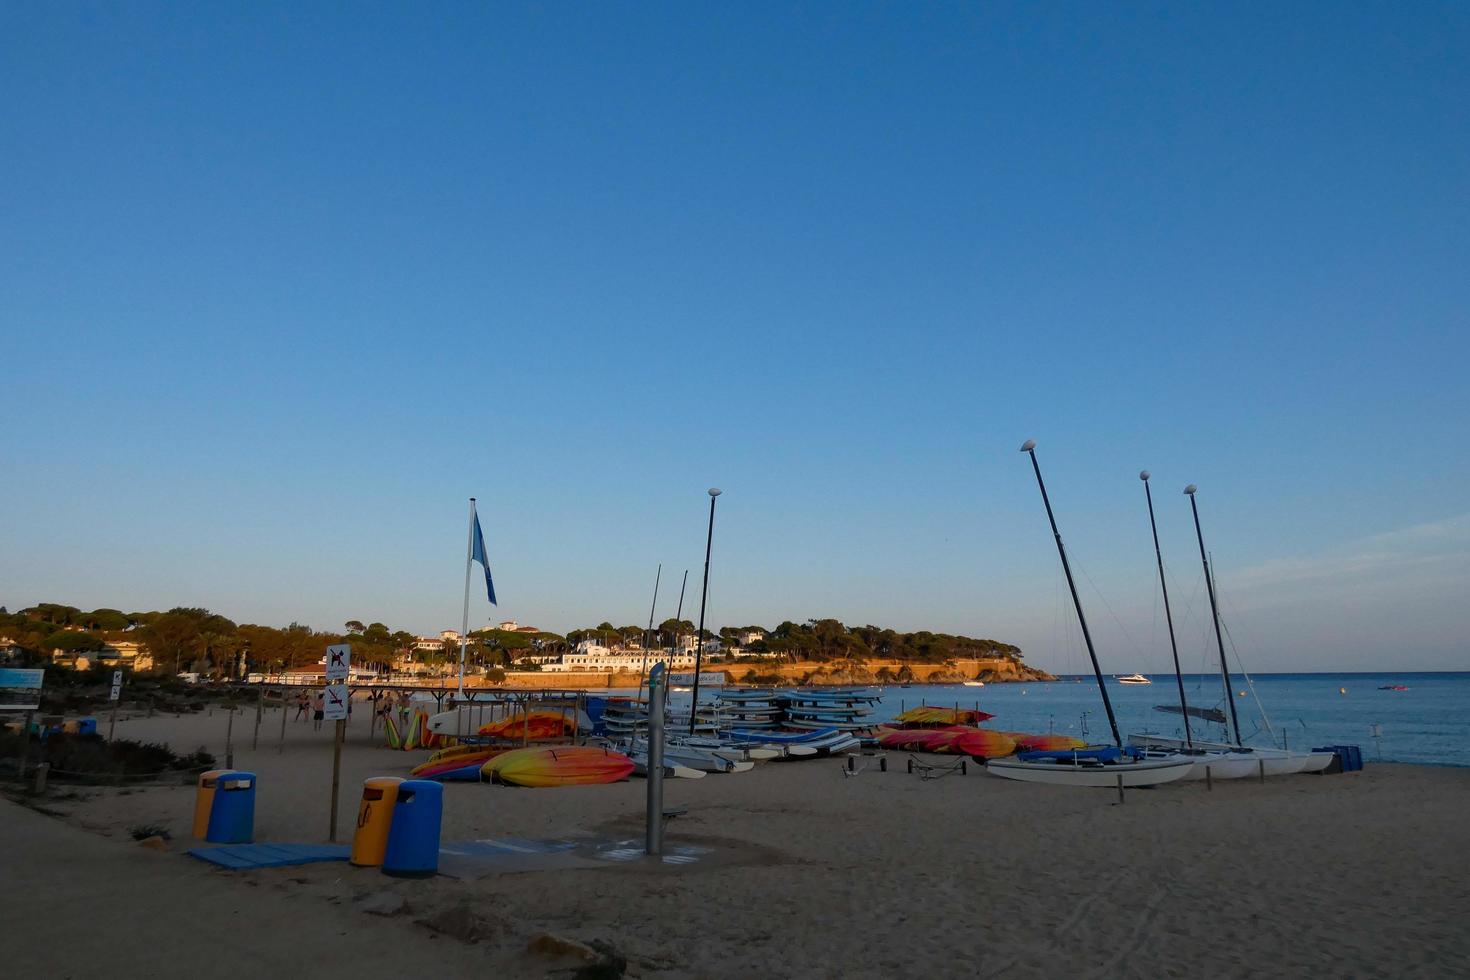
x,y
301,704
318,709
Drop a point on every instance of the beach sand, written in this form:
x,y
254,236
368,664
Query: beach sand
x,y
808,872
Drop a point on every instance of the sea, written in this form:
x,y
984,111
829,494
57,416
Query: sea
x,y
1429,723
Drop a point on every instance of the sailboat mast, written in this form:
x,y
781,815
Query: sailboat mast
x,y
1168,616
1030,449
648,633
1214,611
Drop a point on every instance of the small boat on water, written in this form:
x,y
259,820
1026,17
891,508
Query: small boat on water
x,y
974,683
1134,679
1393,687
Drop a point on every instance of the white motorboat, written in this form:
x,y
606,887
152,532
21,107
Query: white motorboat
x,y
1134,679
974,684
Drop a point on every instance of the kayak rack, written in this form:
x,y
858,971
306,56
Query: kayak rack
x,y
937,770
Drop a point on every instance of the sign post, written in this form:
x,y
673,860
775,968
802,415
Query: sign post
x,y
334,708
115,697
20,690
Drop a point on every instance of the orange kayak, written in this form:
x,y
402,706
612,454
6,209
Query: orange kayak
x,y
538,725
1045,743
931,716
558,765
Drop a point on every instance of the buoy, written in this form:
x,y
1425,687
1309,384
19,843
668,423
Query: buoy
x,y
1342,690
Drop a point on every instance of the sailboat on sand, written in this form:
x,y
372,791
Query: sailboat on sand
x,y
1107,765
1236,759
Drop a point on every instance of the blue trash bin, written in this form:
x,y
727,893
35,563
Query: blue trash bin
x,y
87,726
413,838
232,815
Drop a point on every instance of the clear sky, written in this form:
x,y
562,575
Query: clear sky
x,y
281,286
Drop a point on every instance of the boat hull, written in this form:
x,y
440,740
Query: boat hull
x,y
1151,772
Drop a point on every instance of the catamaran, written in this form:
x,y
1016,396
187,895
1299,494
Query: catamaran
x,y
1230,759
1111,765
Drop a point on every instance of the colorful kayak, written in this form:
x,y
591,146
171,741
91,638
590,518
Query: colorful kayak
x,y
1045,743
456,765
537,725
979,743
929,716
558,765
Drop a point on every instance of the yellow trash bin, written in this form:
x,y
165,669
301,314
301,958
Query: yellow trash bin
x,y
374,818
204,800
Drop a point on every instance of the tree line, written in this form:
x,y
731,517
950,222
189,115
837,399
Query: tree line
x,y
199,640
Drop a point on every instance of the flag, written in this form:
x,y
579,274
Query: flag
x,y
477,553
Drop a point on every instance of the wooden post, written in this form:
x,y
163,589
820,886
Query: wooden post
x,y
281,746
1261,764
229,740
259,710
1209,780
25,744
41,772
1120,788
112,722
336,775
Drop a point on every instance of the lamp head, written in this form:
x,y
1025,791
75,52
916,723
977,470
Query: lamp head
x,y
1144,476
715,491
1028,445
1191,489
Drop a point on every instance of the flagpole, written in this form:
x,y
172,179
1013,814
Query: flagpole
x,y
464,629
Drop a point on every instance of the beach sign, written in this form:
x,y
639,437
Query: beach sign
x,y
334,706
116,686
20,690
339,659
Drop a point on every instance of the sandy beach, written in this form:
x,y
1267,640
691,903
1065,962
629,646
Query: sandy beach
x,y
804,872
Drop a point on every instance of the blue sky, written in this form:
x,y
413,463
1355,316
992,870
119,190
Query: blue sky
x,y
282,286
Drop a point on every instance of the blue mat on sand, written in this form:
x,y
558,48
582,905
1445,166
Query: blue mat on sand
x,y
239,857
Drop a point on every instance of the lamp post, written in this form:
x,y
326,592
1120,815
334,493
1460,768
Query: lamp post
x,y
703,596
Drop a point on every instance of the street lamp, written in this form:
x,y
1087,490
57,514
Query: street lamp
x,y
703,595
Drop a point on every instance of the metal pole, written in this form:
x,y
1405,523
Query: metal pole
x,y
1214,610
657,696
1168,616
336,775
1030,450
703,596
259,710
469,550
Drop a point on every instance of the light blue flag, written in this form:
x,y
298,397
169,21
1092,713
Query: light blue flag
x,y
477,552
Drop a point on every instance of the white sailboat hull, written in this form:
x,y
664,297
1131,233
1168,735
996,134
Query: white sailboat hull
x,y
1276,762
1151,772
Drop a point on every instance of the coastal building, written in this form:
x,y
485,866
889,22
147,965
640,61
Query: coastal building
x,y
511,626
598,658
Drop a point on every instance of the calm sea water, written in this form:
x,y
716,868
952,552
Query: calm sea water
x,y
1428,723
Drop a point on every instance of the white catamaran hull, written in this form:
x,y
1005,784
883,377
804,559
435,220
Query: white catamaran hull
x,y
1276,762
1150,772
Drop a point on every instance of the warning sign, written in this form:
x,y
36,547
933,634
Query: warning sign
x,y
334,707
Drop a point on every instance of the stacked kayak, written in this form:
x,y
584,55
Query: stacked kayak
x,y
978,743
558,765
536,725
930,716
1045,743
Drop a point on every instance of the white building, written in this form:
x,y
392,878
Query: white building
x,y
598,658
748,637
